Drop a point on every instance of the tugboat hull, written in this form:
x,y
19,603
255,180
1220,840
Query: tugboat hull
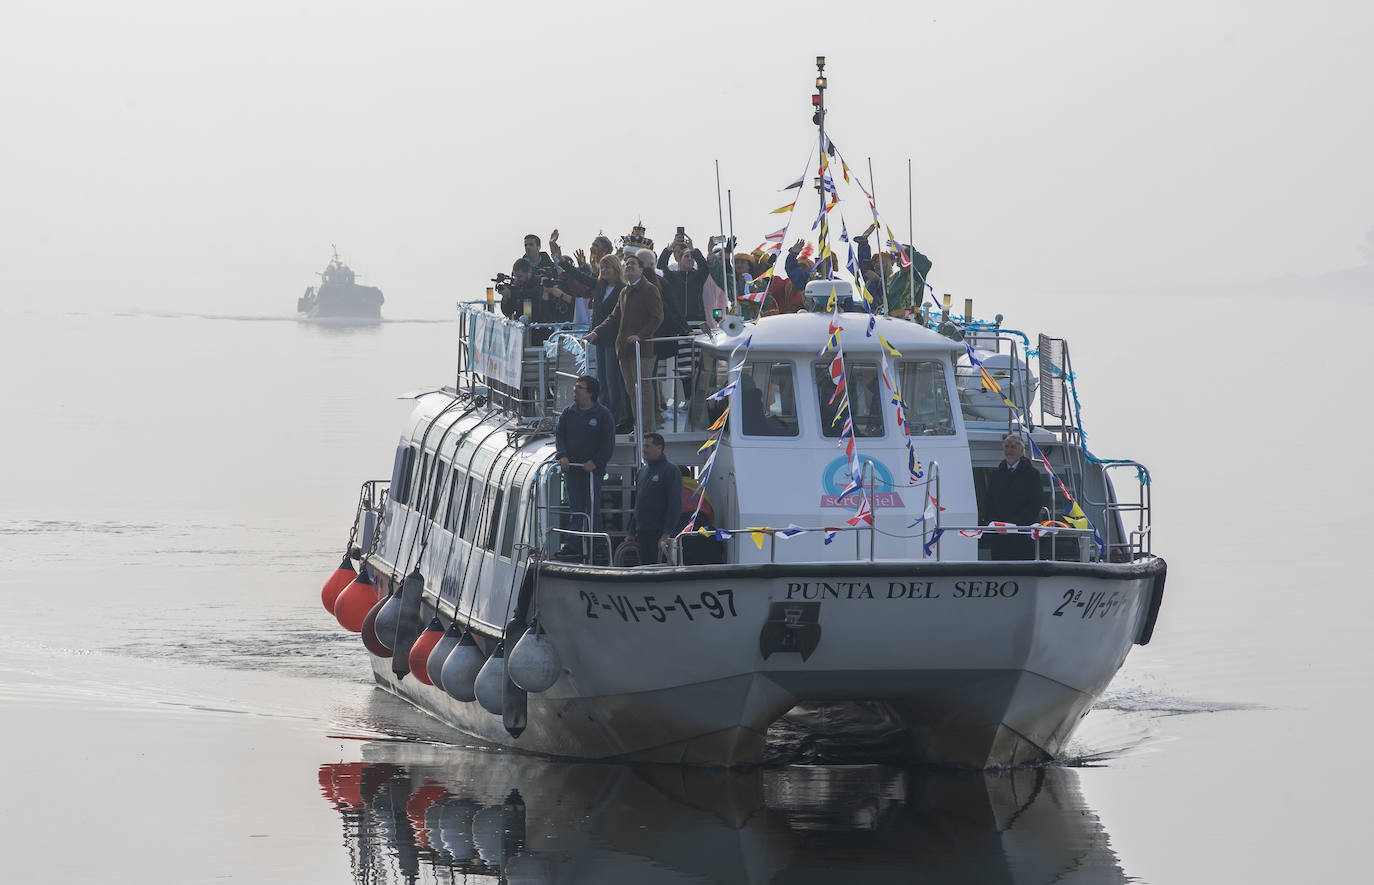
x,y
342,302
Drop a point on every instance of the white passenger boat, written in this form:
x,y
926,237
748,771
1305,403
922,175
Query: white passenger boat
x,y
844,564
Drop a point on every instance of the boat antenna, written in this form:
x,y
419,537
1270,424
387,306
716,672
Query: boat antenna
x,y
818,102
728,253
873,195
720,210
910,241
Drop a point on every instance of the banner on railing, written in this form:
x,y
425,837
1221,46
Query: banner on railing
x,y
497,345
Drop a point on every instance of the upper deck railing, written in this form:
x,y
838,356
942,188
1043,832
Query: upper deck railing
x,y
528,370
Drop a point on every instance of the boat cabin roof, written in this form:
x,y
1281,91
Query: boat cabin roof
x,y
807,333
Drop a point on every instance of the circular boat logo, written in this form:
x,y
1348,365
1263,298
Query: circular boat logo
x,y
836,474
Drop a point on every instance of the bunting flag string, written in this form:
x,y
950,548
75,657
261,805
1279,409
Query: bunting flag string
x,y
929,546
864,514
839,389
717,429
927,514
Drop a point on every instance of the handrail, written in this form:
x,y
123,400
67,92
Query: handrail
x,y
573,533
638,394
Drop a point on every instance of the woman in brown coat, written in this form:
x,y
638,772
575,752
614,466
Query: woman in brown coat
x,y
638,313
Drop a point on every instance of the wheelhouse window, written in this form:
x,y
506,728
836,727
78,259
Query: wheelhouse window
x,y
768,404
927,397
710,374
863,392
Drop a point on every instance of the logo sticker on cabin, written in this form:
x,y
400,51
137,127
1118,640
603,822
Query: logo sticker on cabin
x,y
836,476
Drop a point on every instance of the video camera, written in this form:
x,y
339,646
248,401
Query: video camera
x,y
545,277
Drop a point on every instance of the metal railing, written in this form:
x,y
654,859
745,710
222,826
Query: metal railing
x,y
1135,541
587,553
367,518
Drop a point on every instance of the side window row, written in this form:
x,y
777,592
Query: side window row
x,y
472,505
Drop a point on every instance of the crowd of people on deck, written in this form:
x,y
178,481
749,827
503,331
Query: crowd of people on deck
x,y
625,296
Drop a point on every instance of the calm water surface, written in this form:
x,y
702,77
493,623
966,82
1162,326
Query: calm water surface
x,y
178,707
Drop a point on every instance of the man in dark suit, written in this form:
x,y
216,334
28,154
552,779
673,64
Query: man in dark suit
x,y
1014,495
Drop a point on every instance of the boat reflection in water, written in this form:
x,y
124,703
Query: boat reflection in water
x,y
452,814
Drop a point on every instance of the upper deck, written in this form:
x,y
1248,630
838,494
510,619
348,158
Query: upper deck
x,y
782,458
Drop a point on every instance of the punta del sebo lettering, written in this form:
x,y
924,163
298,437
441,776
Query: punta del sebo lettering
x,y
901,590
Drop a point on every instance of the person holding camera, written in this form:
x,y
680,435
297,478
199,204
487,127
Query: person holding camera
x,y
684,274
519,291
554,304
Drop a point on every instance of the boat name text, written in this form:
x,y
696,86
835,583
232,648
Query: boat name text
x,y
901,590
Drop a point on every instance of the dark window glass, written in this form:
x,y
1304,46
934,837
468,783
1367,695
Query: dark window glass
x,y
927,397
473,514
768,404
401,474
455,499
494,521
711,374
864,394
508,533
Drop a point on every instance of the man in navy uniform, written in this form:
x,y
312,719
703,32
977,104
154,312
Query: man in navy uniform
x,y
585,438
658,500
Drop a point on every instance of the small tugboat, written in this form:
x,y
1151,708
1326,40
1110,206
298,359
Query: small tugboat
x,y
844,561
339,297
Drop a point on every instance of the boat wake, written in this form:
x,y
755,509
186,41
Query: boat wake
x,y
1137,700
294,649
279,318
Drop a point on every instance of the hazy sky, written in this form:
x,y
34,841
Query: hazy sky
x,y
158,154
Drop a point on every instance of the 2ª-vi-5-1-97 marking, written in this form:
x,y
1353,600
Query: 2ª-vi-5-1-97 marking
x,y
716,604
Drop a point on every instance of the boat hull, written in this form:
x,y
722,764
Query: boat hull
x,y
342,302
982,664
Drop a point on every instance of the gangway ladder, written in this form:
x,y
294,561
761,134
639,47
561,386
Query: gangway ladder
x,y
1058,398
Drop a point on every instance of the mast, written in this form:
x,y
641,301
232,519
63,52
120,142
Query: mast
x,y
724,252
818,102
